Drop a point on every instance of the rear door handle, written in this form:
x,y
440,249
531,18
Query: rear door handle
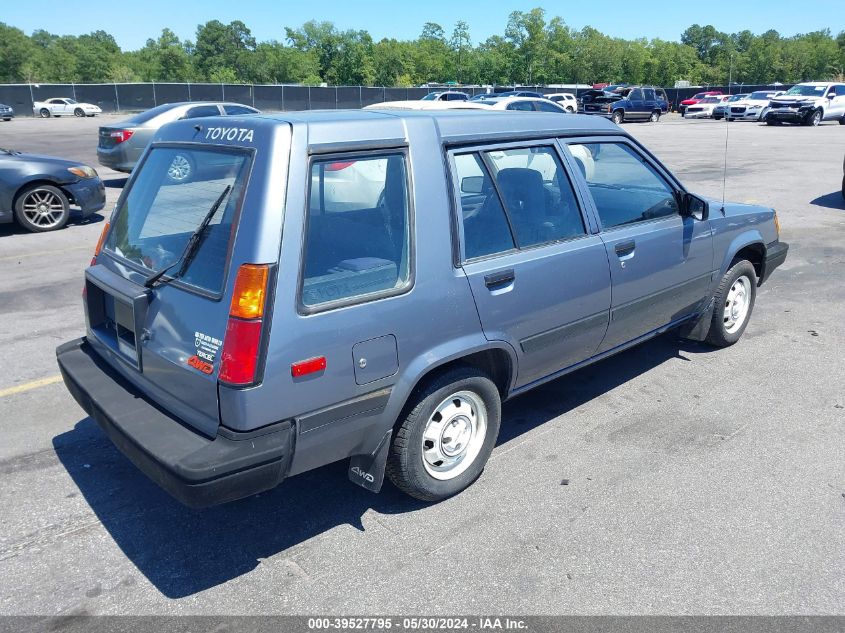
x,y
493,280
625,248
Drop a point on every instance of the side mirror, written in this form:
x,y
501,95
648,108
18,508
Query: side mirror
x,y
691,206
472,184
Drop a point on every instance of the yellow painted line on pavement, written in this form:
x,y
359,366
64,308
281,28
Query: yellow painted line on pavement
x,y
42,253
29,386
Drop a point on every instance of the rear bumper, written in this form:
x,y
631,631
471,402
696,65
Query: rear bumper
x,y
89,195
120,157
775,256
197,470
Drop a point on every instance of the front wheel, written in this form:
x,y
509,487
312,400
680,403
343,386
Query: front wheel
x,y
617,117
79,112
441,446
814,119
733,304
42,208
655,117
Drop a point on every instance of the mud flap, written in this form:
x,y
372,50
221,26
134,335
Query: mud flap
x,y
697,330
368,470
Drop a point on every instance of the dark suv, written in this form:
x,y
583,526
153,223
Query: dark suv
x,y
631,103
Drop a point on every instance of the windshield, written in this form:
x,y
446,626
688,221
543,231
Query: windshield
x,y
806,91
431,96
737,97
710,100
164,207
761,96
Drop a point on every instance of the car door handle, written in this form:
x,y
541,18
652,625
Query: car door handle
x,y
625,248
494,280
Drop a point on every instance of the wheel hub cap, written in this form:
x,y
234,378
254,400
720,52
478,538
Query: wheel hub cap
x,y
453,435
737,303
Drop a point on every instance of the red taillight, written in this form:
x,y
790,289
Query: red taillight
x,y
242,343
120,136
240,351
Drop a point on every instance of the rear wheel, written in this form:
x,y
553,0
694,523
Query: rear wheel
x,y
617,117
734,302
655,116
45,113
42,208
444,441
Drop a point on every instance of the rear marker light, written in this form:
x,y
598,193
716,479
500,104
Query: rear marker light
x,y
242,343
100,242
310,366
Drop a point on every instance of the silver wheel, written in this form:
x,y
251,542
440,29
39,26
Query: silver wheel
x,y
655,117
737,303
43,209
180,169
454,435
45,113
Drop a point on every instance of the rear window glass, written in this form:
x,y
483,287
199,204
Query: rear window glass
x,y
167,202
358,232
146,115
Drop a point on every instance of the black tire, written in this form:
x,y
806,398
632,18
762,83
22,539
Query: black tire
x,y
771,121
79,112
405,461
29,215
655,116
720,335
841,121
814,119
44,113
618,116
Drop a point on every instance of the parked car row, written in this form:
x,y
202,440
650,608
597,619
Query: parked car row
x,y
808,103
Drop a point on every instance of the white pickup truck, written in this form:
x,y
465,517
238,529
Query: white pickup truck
x,y
64,107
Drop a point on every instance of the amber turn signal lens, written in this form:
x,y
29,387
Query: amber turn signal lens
x,y
102,240
250,291
777,224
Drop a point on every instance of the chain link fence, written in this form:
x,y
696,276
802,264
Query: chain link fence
x,y
128,97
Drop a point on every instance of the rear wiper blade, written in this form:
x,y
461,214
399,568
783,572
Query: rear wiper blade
x,y
191,247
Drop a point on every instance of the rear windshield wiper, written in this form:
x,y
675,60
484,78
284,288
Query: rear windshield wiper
x,y
191,247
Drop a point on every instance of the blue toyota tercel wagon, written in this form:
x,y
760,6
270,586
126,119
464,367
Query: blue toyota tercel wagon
x,y
371,285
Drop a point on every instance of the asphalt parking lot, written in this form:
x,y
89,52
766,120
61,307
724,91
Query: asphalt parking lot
x,y
698,481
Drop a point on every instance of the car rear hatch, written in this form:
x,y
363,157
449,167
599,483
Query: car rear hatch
x,y
166,335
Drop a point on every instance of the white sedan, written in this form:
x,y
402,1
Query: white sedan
x,y
753,108
566,99
64,107
704,108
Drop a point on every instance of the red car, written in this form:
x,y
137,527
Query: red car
x,y
696,98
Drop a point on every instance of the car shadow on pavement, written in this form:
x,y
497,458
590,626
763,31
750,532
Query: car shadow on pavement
x,y
184,551
13,228
115,183
833,200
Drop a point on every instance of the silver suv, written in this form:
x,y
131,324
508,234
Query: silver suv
x,y
371,285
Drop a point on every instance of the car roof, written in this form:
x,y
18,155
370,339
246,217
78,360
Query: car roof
x,y
350,128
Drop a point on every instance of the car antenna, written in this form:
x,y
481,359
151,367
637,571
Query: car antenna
x,y
727,131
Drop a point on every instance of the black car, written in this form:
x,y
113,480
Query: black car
x,y
6,112
39,192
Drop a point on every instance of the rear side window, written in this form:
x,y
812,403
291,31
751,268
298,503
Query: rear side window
x,y
201,111
521,105
238,109
649,93
167,202
625,188
542,106
357,241
486,230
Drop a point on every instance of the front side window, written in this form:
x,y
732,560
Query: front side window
x,y
625,188
636,95
840,90
162,209
357,238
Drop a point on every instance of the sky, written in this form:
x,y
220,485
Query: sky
x,y
132,25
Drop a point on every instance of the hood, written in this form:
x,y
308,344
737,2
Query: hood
x,y
607,98
49,162
690,101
